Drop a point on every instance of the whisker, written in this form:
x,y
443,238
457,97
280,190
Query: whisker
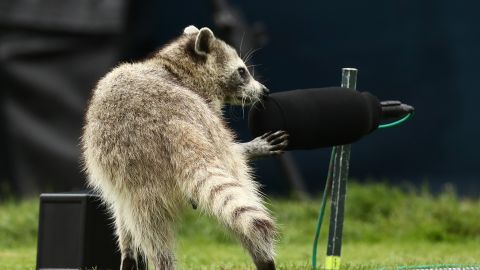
x,y
263,104
244,99
249,51
257,100
234,113
230,113
241,44
247,58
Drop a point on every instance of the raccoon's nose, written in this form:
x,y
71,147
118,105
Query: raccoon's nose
x,y
265,90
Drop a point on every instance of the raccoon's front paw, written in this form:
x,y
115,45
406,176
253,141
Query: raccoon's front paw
x,y
271,143
276,141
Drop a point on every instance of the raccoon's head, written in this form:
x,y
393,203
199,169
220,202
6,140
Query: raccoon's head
x,y
212,68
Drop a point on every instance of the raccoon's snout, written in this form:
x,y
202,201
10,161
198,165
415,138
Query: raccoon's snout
x,y
265,90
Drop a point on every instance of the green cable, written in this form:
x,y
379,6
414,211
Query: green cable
x,y
322,210
396,123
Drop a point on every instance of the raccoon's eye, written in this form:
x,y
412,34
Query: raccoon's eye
x,y
242,71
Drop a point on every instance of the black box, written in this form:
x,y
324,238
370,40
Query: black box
x,y
75,232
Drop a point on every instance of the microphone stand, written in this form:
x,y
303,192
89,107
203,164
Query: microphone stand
x,y
340,164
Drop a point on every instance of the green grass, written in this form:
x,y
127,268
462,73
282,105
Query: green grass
x,y
385,226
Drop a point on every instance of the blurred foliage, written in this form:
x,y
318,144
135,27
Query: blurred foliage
x,y
18,222
374,212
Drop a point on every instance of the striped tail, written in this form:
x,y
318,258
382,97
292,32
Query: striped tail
x,y
239,205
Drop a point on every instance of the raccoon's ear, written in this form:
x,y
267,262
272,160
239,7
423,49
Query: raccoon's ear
x,y
191,29
204,41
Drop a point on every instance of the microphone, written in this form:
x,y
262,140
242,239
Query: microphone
x,y
318,117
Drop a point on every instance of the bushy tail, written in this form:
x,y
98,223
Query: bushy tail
x,y
237,204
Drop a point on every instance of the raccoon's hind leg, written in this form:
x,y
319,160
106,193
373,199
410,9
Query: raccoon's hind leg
x,y
129,260
239,206
153,232
129,256
234,200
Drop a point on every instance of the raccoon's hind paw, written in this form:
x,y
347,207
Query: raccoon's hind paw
x,y
129,263
270,265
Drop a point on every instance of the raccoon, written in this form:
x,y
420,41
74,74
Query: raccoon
x,y
155,141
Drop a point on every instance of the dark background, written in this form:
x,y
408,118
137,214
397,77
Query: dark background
x,y
425,53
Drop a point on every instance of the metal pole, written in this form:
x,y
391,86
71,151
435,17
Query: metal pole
x,y
341,164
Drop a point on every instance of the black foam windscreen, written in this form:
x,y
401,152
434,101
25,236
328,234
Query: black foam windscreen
x,y
319,117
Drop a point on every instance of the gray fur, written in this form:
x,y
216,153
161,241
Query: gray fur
x,y
155,139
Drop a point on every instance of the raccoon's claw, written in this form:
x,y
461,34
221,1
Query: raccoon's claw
x,y
277,141
272,139
266,134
